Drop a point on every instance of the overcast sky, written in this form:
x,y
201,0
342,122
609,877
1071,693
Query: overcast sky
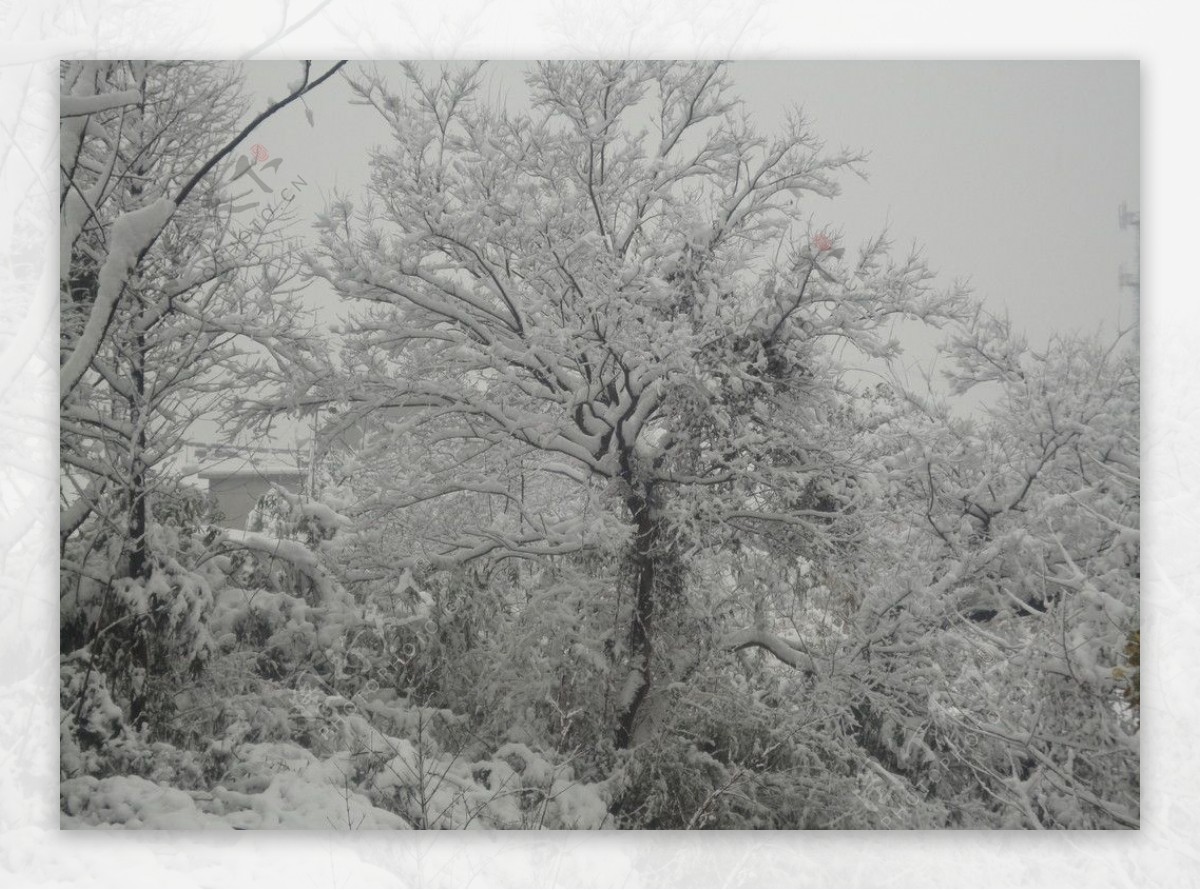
x,y
1008,174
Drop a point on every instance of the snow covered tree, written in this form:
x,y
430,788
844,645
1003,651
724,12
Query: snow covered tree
x,y
603,326
159,301
154,285
1037,514
990,665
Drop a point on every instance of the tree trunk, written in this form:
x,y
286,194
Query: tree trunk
x,y
137,467
641,640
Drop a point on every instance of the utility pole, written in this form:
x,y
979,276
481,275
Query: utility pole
x,y
1132,219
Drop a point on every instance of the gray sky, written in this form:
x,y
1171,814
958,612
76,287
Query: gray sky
x,y
1009,174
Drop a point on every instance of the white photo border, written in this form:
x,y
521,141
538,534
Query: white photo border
x,y
33,851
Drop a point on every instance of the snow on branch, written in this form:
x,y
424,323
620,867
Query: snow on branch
x,y
132,234
76,106
789,653
294,554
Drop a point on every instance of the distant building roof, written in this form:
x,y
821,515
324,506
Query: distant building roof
x,y
244,466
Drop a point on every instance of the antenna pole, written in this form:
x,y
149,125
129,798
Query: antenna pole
x,y
1132,219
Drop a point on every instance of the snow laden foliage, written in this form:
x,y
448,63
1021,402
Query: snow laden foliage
x,y
277,706
162,295
1035,516
608,534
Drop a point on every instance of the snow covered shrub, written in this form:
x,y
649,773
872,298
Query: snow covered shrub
x,y
91,721
147,636
95,738
513,786
282,514
544,671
